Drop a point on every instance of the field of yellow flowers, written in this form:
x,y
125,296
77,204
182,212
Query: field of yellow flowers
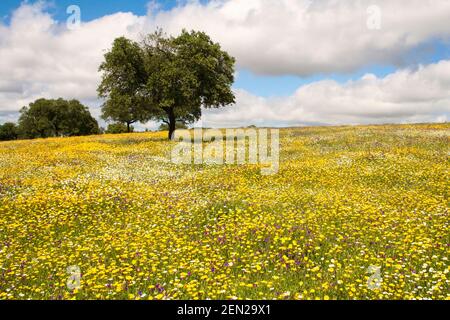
x,y
354,213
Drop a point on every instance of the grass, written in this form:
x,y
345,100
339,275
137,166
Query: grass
x,y
140,227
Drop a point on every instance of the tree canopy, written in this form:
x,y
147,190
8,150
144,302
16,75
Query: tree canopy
x,y
122,84
8,131
167,79
53,118
116,128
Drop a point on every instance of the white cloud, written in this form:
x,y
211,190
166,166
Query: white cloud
x,y
41,58
421,95
305,37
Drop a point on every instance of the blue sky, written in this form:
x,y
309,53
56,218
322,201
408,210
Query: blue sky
x,y
92,9
266,86
314,72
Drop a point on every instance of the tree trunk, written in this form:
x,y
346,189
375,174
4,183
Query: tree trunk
x,y
128,127
172,123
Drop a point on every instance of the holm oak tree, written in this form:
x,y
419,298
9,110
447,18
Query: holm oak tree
x,y
165,79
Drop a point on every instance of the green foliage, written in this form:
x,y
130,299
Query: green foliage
x,y
165,79
8,131
53,118
124,76
116,128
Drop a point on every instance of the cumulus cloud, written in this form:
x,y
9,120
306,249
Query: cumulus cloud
x,y
40,57
408,95
305,37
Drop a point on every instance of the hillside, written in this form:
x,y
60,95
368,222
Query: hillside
x,y
346,201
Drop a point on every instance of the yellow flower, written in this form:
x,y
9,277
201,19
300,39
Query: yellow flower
x,y
137,225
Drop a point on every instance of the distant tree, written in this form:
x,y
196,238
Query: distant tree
x,y
77,120
116,128
53,118
123,82
38,120
8,131
179,125
166,79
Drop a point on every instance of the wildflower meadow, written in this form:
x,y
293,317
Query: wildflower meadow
x,y
352,213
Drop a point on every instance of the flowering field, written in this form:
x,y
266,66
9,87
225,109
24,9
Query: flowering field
x,y
354,213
